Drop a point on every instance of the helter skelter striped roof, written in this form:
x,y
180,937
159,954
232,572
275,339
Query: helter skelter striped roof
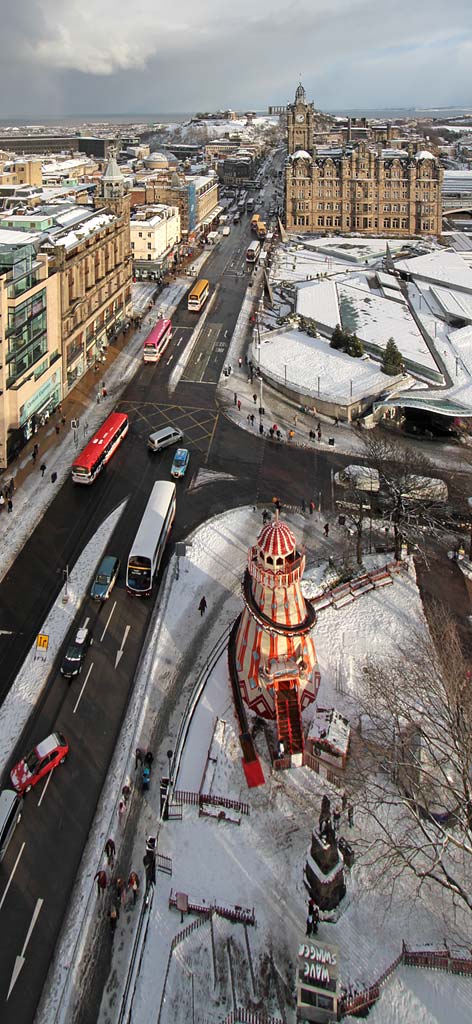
x,y
276,539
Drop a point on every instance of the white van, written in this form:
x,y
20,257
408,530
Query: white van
x,y
163,438
362,478
226,230
10,815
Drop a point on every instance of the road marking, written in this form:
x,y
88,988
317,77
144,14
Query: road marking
x,y
211,438
12,875
107,623
200,356
45,788
83,688
119,654
178,343
20,960
169,360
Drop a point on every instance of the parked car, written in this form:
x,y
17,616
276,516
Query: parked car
x,y
39,762
106,578
75,653
180,463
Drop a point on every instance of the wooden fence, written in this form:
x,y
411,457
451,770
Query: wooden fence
x,y
242,1016
436,960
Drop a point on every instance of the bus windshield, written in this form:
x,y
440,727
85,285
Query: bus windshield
x,y
139,573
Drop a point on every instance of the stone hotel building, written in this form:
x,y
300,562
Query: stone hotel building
x,y
358,186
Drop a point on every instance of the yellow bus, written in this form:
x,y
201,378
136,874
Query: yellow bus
x,y
198,295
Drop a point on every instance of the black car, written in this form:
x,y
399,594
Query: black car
x,y
75,653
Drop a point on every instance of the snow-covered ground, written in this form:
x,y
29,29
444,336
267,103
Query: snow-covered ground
x,y
257,863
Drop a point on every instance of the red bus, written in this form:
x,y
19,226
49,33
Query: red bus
x,y
100,449
157,341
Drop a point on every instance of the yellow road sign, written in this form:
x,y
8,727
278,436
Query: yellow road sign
x,y
42,642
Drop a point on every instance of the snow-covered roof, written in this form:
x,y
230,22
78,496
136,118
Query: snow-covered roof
x,y
424,154
331,727
445,267
301,154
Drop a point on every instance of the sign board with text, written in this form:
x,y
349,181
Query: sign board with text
x,y
317,981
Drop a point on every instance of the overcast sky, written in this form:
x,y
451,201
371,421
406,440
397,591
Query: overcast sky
x,y
122,56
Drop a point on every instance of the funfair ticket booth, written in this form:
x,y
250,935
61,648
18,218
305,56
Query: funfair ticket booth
x,y
317,981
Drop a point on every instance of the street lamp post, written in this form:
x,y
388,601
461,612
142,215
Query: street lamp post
x,y
170,754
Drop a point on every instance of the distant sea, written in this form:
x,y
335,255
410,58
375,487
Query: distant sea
x,y
76,120
390,112
71,120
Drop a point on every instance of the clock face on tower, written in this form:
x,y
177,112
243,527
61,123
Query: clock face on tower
x,y
300,118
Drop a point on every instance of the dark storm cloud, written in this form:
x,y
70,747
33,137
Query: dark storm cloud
x,y
104,55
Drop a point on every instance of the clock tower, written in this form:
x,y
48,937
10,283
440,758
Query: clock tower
x,y
300,123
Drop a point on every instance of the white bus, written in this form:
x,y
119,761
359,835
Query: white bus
x,y
148,546
253,252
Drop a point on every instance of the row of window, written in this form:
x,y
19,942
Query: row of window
x,y
386,223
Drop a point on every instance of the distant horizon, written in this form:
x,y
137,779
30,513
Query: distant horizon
x,y
37,119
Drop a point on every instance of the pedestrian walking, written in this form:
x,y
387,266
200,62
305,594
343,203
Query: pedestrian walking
x,y
248,417
148,759
34,456
295,419
252,418
58,428
315,917
102,882
10,505
326,529
36,448
343,800
336,817
318,434
85,429
240,362
104,392
261,428
239,405
110,850
2,501
43,468
126,793
113,919
138,758
279,435
53,478
99,398
119,889
63,421
312,507
254,398
202,606
350,815
133,884
235,398
309,925
121,808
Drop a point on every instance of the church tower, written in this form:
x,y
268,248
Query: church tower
x,y
300,123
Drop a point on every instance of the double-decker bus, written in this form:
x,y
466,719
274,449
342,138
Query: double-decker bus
x,y
157,341
100,448
148,546
253,252
198,295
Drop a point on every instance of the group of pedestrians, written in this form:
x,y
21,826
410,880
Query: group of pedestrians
x,y
123,894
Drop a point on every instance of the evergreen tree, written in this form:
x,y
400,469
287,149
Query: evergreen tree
x,y
338,338
392,361
354,346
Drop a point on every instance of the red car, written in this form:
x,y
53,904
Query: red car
x,y
41,760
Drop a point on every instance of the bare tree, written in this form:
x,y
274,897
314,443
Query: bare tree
x,y
410,506
416,762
